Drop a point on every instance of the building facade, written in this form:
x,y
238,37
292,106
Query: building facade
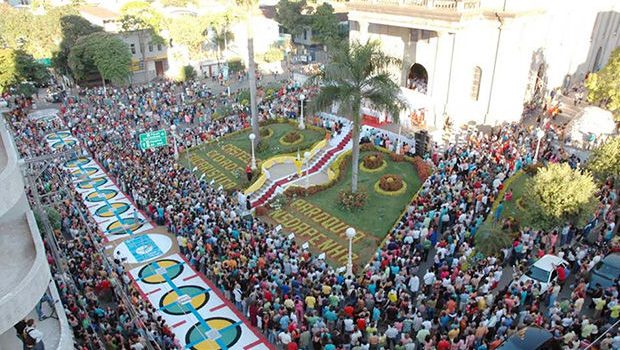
x,y
482,60
24,270
149,57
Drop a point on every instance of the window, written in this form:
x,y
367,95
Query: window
x,y
150,47
475,84
133,49
305,34
158,47
354,25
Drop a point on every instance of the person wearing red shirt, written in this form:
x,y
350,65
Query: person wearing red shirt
x,y
443,344
348,310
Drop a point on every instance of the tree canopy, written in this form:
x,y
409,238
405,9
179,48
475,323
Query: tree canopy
x,y
17,66
140,15
73,27
290,14
604,85
558,194
103,53
325,26
189,32
605,160
358,73
38,35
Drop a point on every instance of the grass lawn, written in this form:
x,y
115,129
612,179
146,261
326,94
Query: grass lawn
x,y
225,160
371,222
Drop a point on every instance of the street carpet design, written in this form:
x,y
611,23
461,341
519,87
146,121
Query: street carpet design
x,y
190,304
200,317
115,215
47,114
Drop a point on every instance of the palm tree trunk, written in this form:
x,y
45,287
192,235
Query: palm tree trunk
x,y
356,146
252,77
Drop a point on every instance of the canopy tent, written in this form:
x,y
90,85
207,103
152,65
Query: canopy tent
x,y
592,124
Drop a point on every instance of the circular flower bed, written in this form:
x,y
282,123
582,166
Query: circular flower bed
x,y
265,132
291,138
373,163
391,185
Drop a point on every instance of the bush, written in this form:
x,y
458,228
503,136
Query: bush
x,y
265,132
261,210
397,157
391,182
292,137
367,147
187,73
373,161
235,65
492,241
532,169
262,146
423,168
352,201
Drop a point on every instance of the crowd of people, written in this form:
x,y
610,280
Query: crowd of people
x,y
425,288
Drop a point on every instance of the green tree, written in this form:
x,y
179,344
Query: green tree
x,y
358,73
290,14
36,34
17,66
8,69
605,160
149,17
235,65
73,27
274,54
187,73
103,53
188,31
557,195
250,6
220,37
324,24
604,85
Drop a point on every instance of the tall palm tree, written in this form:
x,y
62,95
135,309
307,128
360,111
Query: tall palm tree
x,y
221,36
250,6
358,72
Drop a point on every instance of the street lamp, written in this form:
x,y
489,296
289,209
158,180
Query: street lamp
x,y
350,232
302,125
252,137
539,135
307,160
173,129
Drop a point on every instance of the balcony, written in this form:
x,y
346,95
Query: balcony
x,y
441,5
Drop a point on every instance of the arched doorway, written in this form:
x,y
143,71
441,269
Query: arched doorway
x,y
417,79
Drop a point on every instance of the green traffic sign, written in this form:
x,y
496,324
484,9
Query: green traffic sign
x,y
153,139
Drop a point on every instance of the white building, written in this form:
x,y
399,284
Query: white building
x,y
481,60
24,270
155,61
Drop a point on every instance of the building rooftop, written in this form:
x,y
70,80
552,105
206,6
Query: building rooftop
x,y
99,12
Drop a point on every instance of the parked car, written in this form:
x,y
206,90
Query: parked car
x,y
605,273
531,338
543,271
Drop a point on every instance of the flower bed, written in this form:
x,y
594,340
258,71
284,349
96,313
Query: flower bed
x,y
373,163
391,185
291,138
423,168
352,201
265,132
